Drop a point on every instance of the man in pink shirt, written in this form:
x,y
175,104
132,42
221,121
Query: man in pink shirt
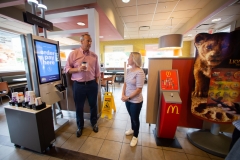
x,y
84,67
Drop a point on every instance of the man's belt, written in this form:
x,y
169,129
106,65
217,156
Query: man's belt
x,y
86,82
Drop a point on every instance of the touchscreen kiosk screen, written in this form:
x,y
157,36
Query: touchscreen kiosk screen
x,y
47,61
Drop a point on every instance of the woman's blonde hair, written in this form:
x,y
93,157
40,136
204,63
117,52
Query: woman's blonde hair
x,y
137,59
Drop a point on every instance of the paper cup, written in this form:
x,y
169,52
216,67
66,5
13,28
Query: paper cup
x,y
38,101
14,96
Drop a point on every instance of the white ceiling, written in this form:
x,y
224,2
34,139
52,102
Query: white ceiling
x,y
157,15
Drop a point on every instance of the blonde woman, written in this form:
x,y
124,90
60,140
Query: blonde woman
x,y
132,94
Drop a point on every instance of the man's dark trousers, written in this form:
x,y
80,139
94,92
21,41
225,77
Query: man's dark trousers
x,y
81,91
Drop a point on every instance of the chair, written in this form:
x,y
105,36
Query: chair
x,y
3,90
103,85
112,82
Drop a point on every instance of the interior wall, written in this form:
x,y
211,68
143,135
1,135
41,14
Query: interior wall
x,y
140,44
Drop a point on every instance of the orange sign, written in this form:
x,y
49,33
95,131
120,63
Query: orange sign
x,y
172,108
169,80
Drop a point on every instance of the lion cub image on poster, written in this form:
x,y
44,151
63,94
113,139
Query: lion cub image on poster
x,y
211,50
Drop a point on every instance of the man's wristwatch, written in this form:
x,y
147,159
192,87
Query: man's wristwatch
x,y
129,98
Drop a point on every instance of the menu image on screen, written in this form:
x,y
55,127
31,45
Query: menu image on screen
x,y
47,61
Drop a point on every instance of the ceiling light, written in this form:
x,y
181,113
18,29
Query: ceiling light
x,y
81,24
216,20
171,41
100,36
190,35
32,1
42,6
125,1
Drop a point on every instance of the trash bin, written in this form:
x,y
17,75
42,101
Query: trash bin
x,y
169,113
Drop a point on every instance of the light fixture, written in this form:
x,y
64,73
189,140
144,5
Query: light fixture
x,y
42,6
32,1
100,36
216,20
81,24
170,41
125,1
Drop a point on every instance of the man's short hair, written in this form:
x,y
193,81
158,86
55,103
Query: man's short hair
x,y
82,36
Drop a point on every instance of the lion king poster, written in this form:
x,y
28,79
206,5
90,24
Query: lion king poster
x,y
216,73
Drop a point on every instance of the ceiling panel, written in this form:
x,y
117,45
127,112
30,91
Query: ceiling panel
x,y
160,16
145,23
146,9
145,17
153,27
130,19
186,5
184,14
159,23
202,3
139,2
131,24
128,11
165,6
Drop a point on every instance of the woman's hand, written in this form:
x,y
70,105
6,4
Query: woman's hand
x,y
124,98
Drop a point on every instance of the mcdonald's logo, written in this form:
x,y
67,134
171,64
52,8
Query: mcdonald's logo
x,y
173,108
168,73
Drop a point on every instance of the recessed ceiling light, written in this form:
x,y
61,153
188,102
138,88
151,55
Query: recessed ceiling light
x,y
100,36
81,24
125,1
190,35
216,20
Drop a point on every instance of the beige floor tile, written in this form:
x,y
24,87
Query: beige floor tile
x,y
193,157
122,116
130,153
119,124
70,128
91,146
110,149
102,133
173,149
182,129
152,154
6,151
148,140
127,139
87,130
61,137
180,134
170,155
36,156
18,154
215,157
105,122
74,143
115,134
191,149
145,128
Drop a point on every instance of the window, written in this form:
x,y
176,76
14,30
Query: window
x,y
115,56
11,56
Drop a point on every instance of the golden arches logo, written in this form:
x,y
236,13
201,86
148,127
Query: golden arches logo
x,y
168,73
173,108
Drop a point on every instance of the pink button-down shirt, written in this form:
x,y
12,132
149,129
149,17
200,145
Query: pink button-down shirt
x,y
75,60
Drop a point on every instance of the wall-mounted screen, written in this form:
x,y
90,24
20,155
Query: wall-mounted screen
x,y
47,57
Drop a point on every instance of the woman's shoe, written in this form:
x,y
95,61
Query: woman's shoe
x,y
134,141
129,132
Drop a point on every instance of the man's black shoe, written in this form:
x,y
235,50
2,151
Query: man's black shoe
x,y
95,128
79,132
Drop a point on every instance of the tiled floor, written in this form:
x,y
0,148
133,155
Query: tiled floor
x,y
110,142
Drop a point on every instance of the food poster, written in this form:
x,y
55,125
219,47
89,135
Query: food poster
x,y
169,80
